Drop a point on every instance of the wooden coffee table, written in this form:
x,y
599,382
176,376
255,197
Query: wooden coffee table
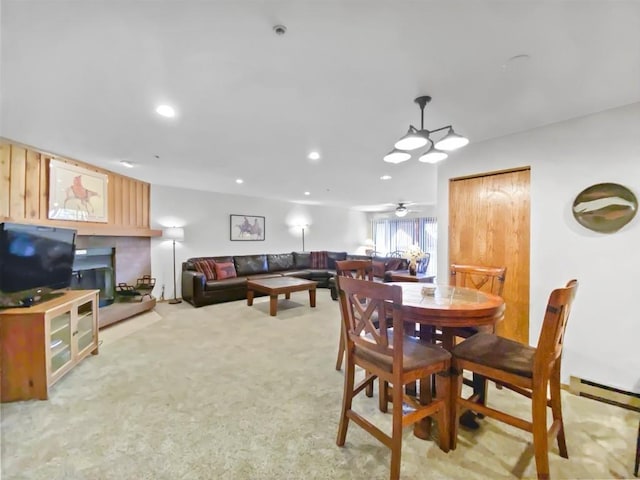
x,y
277,286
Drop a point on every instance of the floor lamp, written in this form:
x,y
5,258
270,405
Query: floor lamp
x,y
177,235
303,227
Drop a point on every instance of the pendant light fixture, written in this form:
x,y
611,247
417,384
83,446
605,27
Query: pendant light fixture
x,y
416,139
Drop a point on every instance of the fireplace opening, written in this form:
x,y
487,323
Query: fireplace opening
x,y
93,269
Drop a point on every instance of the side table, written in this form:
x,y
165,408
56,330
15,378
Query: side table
x,y
403,276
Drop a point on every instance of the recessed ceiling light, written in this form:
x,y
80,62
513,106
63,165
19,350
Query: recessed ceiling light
x,y
313,156
385,177
307,193
239,180
166,111
126,163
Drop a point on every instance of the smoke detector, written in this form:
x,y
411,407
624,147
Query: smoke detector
x,y
280,29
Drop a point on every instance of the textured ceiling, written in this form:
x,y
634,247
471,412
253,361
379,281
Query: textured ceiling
x,y
82,79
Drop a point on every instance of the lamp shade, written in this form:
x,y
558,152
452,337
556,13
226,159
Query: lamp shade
x,y
173,233
412,140
433,155
396,156
451,141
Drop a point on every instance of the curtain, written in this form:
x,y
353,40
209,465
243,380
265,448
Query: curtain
x,y
393,236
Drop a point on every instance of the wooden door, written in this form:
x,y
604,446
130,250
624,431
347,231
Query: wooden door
x,y
489,225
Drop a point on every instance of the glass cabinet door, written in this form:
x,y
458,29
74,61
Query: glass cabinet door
x,y
85,331
60,341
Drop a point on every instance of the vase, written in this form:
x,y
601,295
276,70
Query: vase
x,y
412,267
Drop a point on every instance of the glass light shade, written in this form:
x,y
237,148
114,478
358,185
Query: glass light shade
x,y
173,233
451,141
433,155
396,156
412,140
401,211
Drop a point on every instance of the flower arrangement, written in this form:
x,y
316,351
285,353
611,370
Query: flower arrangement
x,y
413,253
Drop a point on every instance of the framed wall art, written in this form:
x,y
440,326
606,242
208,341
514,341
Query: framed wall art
x,y
605,207
76,193
246,228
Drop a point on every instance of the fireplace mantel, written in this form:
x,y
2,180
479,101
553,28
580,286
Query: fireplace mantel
x,y
90,228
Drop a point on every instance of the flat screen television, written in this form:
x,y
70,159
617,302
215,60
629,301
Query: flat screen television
x,y
35,262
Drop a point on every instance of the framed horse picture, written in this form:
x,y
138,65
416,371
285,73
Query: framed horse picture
x,y
77,193
246,228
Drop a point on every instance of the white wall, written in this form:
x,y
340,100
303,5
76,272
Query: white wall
x,y
604,328
205,218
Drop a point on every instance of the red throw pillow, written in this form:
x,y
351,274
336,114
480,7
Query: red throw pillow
x,y
207,267
319,259
225,270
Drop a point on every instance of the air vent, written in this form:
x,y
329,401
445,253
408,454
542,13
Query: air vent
x,y
604,393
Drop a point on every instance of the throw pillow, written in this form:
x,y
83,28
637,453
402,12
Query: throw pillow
x,y
207,267
225,270
319,260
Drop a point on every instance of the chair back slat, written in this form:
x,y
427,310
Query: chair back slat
x,y
554,325
487,279
367,308
362,269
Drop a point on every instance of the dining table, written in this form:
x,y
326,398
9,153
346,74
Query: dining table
x,y
447,308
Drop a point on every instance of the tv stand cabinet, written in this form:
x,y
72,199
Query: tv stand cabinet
x,y
41,343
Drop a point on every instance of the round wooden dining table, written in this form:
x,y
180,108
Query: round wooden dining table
x,y
448,308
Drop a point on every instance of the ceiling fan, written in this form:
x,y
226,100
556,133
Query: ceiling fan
x,y
401,209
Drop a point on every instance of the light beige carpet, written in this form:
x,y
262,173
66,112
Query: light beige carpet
x,y
228,392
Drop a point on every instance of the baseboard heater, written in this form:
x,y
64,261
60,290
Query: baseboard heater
x,y
603,393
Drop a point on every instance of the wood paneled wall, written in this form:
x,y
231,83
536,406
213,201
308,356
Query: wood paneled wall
x,y
24,194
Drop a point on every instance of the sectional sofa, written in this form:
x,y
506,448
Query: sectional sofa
x,y
208,280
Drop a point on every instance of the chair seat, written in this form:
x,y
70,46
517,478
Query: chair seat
x,y
416,355
497,352
465,332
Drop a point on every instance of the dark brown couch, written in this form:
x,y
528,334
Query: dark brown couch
x,y
199,291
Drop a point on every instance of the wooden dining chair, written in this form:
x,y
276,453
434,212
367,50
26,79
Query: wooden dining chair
x,y
526,370
392,357
478,277
362,269
486,279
